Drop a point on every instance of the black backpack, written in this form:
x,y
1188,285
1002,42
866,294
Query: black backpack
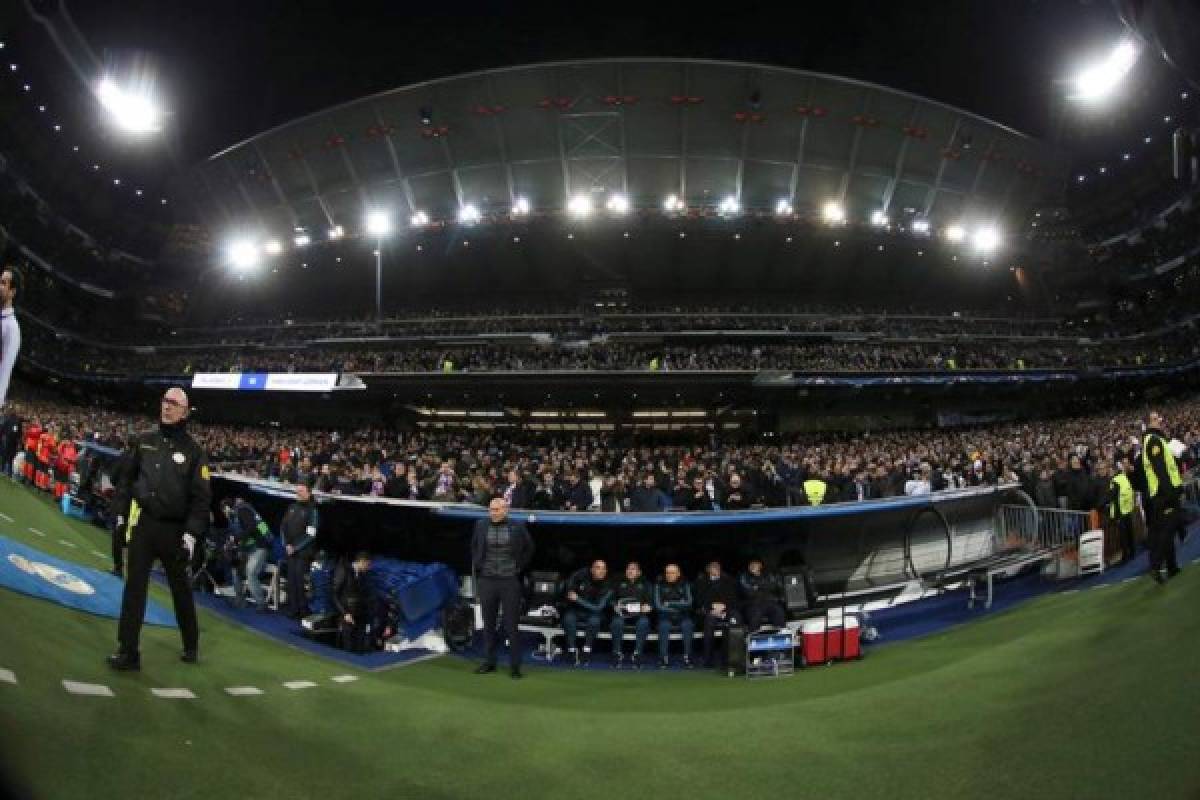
x,y
458,625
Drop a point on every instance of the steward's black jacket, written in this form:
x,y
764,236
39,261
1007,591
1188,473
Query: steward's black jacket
x,y
167,474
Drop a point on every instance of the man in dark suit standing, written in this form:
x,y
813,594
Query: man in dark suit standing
x,y
501,548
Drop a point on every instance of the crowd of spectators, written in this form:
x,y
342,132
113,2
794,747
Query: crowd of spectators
x,y
1051,459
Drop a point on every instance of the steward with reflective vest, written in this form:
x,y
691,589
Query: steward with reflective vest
x,y
1164,489
1120,510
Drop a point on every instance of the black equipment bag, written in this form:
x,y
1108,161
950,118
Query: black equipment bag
x,y
458,625
798,593
735,649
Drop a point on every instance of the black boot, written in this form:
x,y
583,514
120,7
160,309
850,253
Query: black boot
x,y
124,662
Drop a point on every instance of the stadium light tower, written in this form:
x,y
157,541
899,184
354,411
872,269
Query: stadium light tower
x,y
379,225
134,112
1097,81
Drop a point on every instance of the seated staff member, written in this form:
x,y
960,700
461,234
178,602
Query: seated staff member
x,y
632,598
762,596
588,595
716,597
352,599
673,605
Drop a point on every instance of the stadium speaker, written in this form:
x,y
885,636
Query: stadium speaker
x,y
1183,156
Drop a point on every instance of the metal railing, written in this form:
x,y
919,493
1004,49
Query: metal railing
x,y
1035,528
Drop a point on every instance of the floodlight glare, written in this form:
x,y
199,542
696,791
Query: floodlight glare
x,y
783,207
132,112
243,255
618,204
986,240
521,206
469,214
273,247
879,219
955,233
672,203
419,219
580,205
920,226
302,240
378,223
833,213
729,205
337,232
1099,80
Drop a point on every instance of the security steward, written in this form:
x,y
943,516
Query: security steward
x,y
501,548
815,489
1164,488
163,507
1120,510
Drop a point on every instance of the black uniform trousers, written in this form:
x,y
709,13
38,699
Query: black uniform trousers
x,y
152,539
1125,533
118,547
1161,539
297,568
764,611
495,595
712,623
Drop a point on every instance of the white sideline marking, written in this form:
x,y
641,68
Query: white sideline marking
x,y
36,532
1131,578
299,685
7,676
344,678
65,543
174,694
1070,591
94,689
98,554
243,691
6,517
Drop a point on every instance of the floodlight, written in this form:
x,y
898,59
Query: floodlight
x,y
783,207
1099,80
302,240
618,204
132,112
955,233
419,219
920,226
378,223
521,206
337,232
580,205
469,215
879,219
243,254
729,205
833,213
672,203
986,240
273,247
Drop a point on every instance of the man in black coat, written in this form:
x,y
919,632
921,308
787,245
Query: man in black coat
x,y
501,548
352,599
762,596
717,600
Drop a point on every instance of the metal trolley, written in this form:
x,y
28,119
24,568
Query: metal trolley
x,y
770,654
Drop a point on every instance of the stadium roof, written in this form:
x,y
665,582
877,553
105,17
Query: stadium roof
x,y
645,128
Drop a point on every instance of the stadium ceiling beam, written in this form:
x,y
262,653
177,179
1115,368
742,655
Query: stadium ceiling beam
x,y
683,137
450,165
894,181
502,143
621,122
312,181
391,148
349,165
275,184
979,172
794,183
931,195
854,146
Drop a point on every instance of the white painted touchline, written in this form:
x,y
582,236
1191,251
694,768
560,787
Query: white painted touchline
x,y
6,517
94,689
243,691
7,676
344,678
299,685
65,543
98,554
174,694
36,532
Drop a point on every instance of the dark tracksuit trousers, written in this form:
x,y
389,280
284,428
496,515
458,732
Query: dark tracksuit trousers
x,y
298,565
495,595
152,539
1164,523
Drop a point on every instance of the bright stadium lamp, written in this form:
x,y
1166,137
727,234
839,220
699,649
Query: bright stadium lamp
x,y
469,215
672,204
419,219
273,247
302,239
336,232
955,233
1099,80
920,226
243,255
986,240
580,205
618,204
520,207
729,205
833,213
879,218
378,223
132,112
783,207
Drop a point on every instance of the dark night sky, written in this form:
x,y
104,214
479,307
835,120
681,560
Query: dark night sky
x,y
234,68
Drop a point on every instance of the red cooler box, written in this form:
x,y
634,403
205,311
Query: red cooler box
x,y
822,642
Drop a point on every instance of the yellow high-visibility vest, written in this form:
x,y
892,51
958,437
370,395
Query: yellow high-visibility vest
x,y
814,489
1159,445
1124,505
